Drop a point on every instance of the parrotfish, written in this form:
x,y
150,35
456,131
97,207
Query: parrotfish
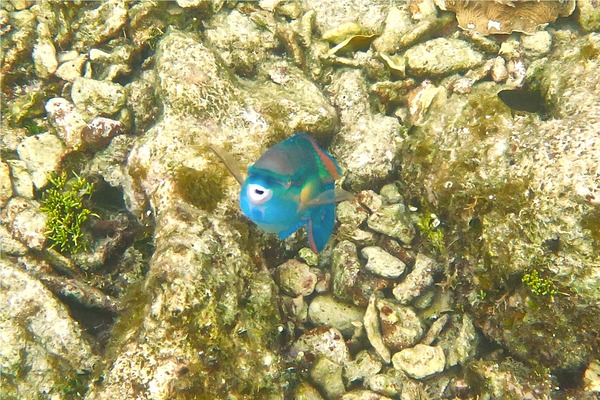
x,y
291,185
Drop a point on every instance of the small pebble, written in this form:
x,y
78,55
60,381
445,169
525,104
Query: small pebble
x,y
42,154
325,341
401,327
373,329
362,367
327,375
420,361
6,190
418,280
295,278
325,310
393,220
21,179
382,263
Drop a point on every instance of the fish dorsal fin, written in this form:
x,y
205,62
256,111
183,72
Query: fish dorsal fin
x,y
229,161
329,170
330,196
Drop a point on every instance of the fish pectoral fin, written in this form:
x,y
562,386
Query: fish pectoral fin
x,y
329,197
229,161
320,226
287,232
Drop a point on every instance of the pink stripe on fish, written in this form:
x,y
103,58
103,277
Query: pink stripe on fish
x,y
311,237
328,162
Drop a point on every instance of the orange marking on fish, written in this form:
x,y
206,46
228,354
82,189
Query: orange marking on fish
x,y
328,162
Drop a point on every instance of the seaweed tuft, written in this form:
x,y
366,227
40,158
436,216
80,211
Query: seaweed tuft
x,y
62,202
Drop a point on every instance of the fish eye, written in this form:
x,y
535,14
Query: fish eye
x,y
259,194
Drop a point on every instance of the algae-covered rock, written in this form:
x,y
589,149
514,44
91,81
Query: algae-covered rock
x,y
521,195
509,379
589,15
6,190
100,23
328,376
18,39
295,278
400,325
98,97
366,144
364,365
241,41
43,352
325,310
208,306
26,221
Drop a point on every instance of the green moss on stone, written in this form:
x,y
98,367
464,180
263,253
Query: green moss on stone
x,y
429,226
203,189
591,222
538,285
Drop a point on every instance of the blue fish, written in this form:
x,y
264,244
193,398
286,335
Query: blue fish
x,y
291,185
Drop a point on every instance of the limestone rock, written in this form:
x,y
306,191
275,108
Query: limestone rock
x,y
420,361
42,154
27,223
512,237
345,270
441,56
71,69
322,341
325,310
419,279
459,341
393,220
362,394
589,15
373,329
362,367
591,377
44,58
328,376
10,245
98,97
382,263
21,179
305,391
6,190
537,45
366,143
67,120
330,14
295,278
400,325
100,131
101,23
389,383
41,342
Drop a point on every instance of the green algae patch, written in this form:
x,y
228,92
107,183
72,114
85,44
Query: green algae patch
x,y
203,189
223,346
591,223
538,285
63,204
